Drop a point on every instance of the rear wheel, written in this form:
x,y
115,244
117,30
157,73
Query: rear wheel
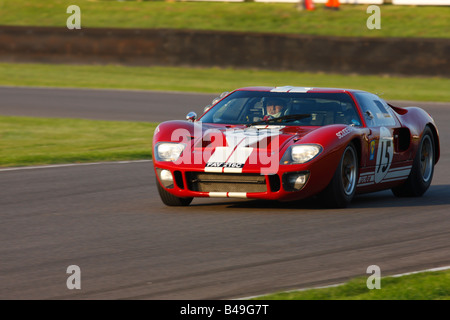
x,y
421,174
171,200
341,190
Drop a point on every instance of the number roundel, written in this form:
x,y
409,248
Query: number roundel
x,y
385,154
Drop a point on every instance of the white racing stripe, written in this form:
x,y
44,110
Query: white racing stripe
x,y
401,168
214,169
232,170
221,154
282,89
218,194
394,174
237,195
300,89
227,195
291,89
231,158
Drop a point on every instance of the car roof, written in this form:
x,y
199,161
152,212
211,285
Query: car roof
x,y
295,89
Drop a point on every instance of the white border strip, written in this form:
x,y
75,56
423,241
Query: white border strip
x,y
340,284
71,165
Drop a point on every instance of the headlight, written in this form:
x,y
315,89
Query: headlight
x,y
168,151
301,153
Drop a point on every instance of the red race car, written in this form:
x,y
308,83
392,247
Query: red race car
x,y
289,143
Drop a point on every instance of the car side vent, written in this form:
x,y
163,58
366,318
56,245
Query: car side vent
x,y
179,179
274,181
402,139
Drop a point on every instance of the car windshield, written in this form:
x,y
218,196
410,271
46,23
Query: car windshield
x,y
295,109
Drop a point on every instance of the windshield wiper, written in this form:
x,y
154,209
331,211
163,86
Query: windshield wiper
x,y
290,117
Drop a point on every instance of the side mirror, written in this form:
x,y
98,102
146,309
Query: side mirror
x,y
191,116
369,115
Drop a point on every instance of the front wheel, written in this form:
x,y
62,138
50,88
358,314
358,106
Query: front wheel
x,y
339,193
171,200
421,174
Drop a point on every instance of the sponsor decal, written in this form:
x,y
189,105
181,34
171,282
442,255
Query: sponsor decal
x,y
224,165
394,174
366,179
344,132
372,150
385,154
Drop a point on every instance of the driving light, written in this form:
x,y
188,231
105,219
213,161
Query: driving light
x,y
301,153
169,151
166,175
166,178
294,181
297,181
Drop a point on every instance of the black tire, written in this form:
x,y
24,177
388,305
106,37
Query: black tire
x,y
422,171
169,199
341,190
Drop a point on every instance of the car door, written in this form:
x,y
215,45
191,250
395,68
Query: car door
x,y
382,156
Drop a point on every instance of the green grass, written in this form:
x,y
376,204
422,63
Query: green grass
x,y
35,141
396,21
215,80
420,286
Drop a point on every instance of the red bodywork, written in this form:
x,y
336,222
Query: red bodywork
x,y
405,135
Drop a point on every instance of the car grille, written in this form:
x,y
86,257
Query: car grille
x,y
226,182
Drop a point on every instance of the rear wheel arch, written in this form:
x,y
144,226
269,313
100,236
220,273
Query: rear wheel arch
x,y
422,170
437,149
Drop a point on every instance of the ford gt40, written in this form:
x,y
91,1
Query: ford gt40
x,y
289,143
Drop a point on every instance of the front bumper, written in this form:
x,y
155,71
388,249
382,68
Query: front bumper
x,y
282,186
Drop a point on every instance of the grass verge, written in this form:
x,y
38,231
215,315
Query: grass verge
x,y
420,286
36,141
396,21
215,80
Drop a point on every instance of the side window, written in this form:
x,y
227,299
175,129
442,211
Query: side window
x,y
375,112
230,111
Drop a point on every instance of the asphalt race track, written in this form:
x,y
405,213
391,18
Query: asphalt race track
x,y
100,104
108,219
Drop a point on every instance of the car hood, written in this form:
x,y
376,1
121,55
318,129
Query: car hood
x,y
234,148
262,137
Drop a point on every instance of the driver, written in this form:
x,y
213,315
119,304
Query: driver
x,y
274,108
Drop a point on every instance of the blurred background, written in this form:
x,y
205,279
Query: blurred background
x,y
412,37
91,97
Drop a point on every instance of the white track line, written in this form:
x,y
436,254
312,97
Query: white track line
x,y
71,165
340,284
